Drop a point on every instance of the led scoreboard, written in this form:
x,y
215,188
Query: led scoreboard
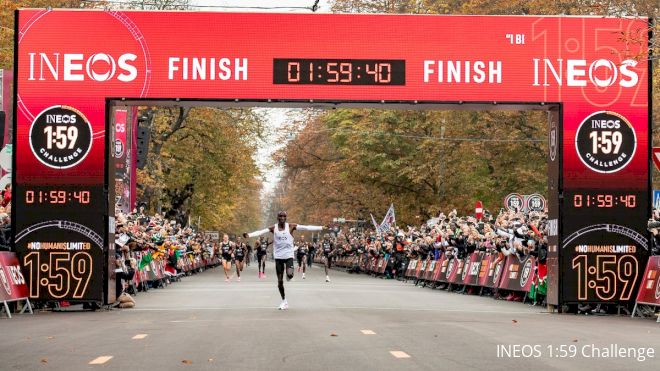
x,y
69,82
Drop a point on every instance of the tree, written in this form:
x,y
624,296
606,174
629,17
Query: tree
x,y
7,8
202,165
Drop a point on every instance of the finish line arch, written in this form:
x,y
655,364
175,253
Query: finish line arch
x,y
72,66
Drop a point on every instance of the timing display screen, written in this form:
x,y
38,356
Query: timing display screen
x,y
339,72
60,249
605,244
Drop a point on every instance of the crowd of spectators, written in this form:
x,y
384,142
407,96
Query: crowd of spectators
x,y
5,219
149,242
455,237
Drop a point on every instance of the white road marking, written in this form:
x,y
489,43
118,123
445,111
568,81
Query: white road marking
x,y
140,336
100,360
399,354
368,332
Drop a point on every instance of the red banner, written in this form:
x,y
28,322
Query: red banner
x,y
430,269
472,268
418,268
438,268
455,270
412,264
649,290
489,272
12,282
518,274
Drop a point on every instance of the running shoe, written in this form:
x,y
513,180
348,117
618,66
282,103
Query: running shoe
x,y
227,280
283,305
259,274
303,275
239,279
327,278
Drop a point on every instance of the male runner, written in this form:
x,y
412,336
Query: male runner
x,y
227,252
327,246
303,250
262,249
239,254
283,249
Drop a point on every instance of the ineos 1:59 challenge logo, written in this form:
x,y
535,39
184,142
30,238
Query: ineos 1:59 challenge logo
x,y
605,142
60,137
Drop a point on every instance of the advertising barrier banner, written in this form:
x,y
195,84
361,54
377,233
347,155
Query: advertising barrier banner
x,y
12,282
518,274
489,272
472,269
649,290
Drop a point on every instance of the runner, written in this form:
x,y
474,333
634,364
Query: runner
x,y
227,252
283,249
262,249
303,250
327,247
239,254
248,255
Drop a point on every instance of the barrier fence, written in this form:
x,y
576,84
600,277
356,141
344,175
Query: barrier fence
x,y
155,273
649,289
489,270
12,284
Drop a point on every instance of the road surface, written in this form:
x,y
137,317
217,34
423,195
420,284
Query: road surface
x,y
355,322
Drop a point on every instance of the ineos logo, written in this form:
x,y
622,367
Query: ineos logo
x,y
601,72
76,67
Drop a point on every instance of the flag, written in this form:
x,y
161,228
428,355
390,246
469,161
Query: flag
x,y
389,219
146,259
373,220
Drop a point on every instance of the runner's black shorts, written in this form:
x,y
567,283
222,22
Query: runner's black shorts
x,y
240,258
281,263
328,259
300,258
226,257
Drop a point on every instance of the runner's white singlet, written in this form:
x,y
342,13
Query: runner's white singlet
x,y
282,243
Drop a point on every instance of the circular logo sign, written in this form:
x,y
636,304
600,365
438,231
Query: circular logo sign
x,y
605,142
535,202
514,202
526,272
657,290
60,137
119,148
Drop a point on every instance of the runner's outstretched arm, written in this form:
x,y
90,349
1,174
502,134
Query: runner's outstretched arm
x,y
258,233
311,228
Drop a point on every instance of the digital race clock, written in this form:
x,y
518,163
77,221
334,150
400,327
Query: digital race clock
x,y
339,71
604,200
